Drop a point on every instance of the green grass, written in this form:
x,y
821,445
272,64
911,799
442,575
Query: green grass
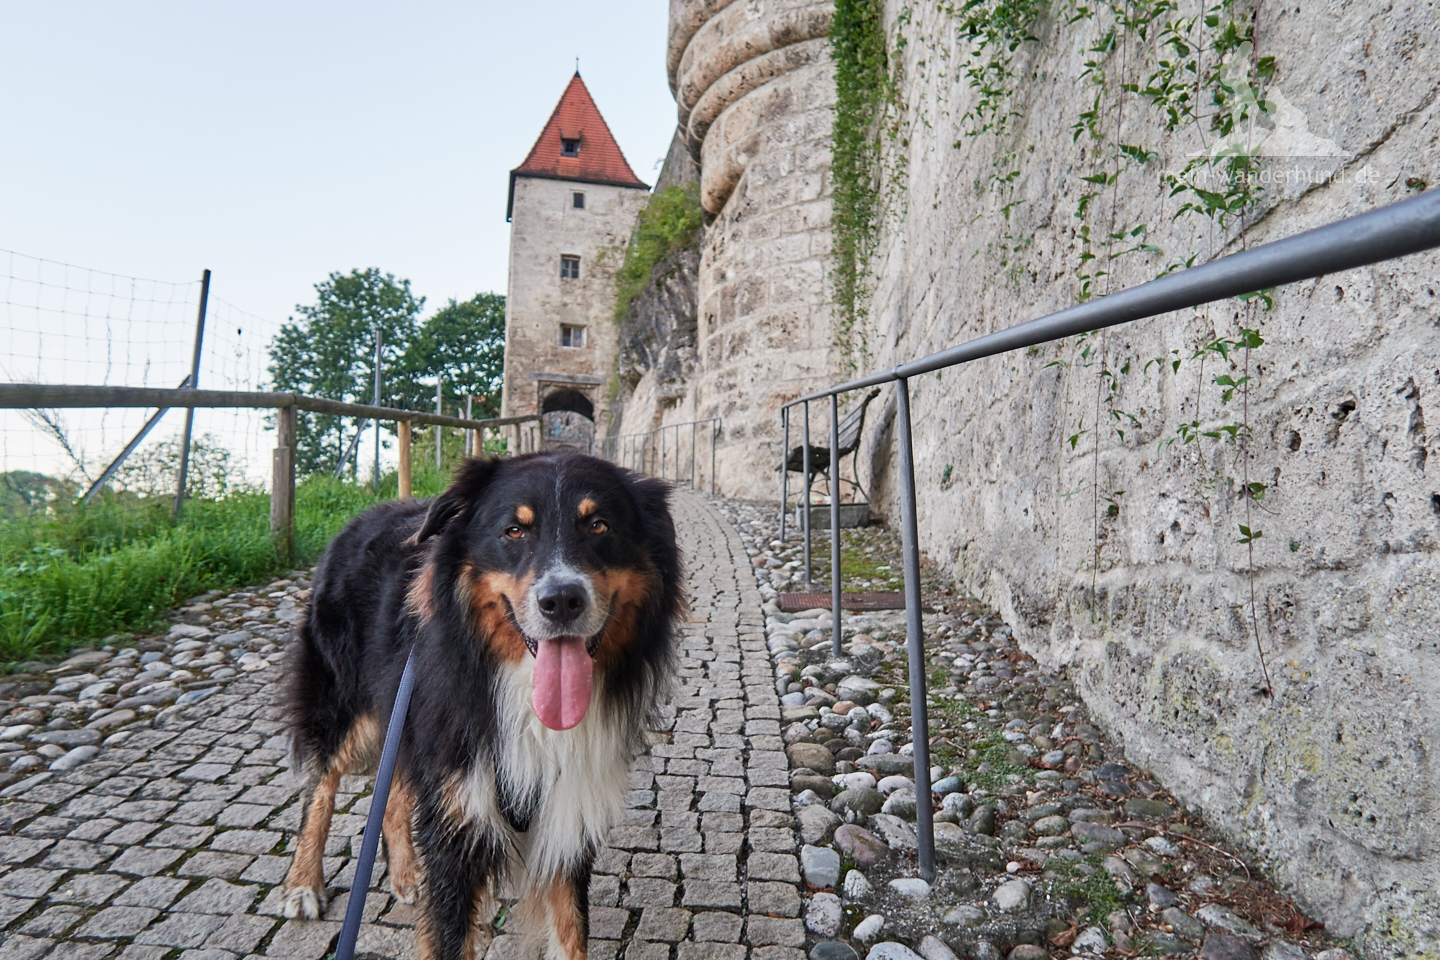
x,y
1095,897
74,573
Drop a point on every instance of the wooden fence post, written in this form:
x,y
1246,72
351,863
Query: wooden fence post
x,y
404,426
282,486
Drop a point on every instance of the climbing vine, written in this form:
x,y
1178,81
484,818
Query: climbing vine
x,y
864,96
669,223
1192,71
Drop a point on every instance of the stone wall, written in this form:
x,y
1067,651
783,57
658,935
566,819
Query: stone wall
x,y
1146,593
545,225
1114,553
754,87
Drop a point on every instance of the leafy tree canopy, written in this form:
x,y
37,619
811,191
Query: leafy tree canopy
x,y
463,345
329,351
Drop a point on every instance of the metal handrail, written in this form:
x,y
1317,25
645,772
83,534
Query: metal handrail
x,y
650,450
1404,228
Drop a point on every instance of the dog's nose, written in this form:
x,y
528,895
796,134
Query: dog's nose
x,y
563,602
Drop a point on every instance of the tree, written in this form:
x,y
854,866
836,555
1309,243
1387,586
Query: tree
x,y
463,345
330,352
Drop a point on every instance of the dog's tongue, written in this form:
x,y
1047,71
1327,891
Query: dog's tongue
x,y
561,692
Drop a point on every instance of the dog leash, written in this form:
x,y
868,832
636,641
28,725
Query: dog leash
x,y
355,910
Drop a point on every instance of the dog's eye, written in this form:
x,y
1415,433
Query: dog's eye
x,y
515,533
599,526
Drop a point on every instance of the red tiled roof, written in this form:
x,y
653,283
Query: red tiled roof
x,y
600,159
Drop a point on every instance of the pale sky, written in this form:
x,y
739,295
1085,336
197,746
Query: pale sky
x,y
273,143
276,142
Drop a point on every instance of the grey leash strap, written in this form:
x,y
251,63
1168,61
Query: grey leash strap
x,y
360,885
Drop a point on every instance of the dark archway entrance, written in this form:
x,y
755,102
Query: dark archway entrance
x,y
572,400
568,420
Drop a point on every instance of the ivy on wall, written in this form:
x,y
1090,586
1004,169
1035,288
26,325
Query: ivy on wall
x,y
863,91
670,222
1162,68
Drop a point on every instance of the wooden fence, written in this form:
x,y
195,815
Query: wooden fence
x,y
282,488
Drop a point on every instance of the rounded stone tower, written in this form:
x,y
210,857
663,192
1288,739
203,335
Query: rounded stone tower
x,y
754,85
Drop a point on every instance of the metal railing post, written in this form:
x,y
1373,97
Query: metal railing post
x,y
805,520
784,468
184,473
714,431
282,485
694,426
915,637
379,341
835,525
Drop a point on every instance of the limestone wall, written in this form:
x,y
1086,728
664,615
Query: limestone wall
x,y
544,226
1123,559
754,87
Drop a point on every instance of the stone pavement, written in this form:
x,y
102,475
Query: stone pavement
x,y
169,839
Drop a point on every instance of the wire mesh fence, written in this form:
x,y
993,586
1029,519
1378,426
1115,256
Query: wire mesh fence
x,y
68,324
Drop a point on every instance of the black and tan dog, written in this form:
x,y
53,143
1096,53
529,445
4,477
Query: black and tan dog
x,y
540,595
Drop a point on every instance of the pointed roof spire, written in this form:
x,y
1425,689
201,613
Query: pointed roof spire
x,y
576,144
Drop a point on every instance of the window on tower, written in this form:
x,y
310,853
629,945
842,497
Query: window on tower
x,y
569,268
569,146
571,336
577,200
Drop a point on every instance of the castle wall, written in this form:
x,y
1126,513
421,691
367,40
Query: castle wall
x,y
1121,556
545,225
755,89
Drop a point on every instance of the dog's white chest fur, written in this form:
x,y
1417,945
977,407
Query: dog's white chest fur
x,y
580,776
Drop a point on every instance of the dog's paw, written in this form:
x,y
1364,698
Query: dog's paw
x,y
304,903
404,889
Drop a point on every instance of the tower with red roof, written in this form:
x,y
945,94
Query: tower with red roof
x,y
571,207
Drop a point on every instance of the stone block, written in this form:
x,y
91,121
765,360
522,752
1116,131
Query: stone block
x,y
181,930
241,934
697,866
710,950
781,899
608,922
761,931
720,927
669,924
219,897
209,864
53,922
152,892
772,866
303,940
145,861
649,892
31,881
711,893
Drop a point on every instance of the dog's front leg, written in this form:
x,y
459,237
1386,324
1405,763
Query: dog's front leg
x,y
399,848
305,883
567,913
459,863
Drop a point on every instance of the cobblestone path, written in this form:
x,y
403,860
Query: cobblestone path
x,y
172,842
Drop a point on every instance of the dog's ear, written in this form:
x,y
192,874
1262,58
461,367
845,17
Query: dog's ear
x,y
456,501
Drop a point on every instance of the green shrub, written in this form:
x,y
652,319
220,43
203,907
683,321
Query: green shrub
x,y
669,223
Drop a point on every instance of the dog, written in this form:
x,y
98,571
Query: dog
x,y
540,596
